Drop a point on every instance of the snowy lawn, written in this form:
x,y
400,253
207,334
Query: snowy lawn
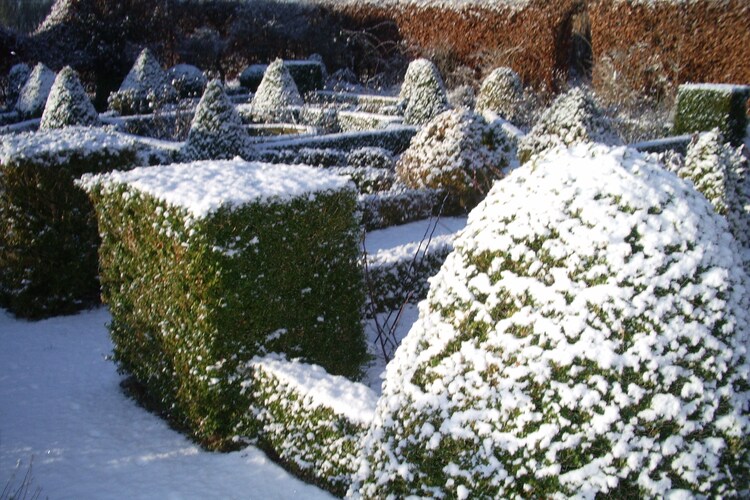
x,y
61,403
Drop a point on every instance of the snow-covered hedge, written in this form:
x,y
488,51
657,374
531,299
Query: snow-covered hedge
x,y
216,131
422,92
311,420
459,152
33,94
205,265
145,88
702,107
501,93
720,172
573,118
397,206
394,139
588,336
352,121
48,234
276,92
188,80
308,75
68,104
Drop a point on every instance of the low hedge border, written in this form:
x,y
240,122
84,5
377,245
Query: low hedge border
x,y
397,206
394,139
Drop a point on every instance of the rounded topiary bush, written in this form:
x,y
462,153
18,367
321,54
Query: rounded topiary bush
x,y
188,80
422,93
573,118
501,93
216,131
587,336
145,88
68,104
33,94
457,151
277,90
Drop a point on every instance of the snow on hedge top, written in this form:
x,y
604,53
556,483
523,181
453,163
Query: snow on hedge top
x,y
354,401
56,146
588,335
33,95
204,187
727,88
67,103
146,75
277,89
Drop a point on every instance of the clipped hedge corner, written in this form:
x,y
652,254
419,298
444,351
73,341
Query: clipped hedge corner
x,y
206,265
48,234
702,107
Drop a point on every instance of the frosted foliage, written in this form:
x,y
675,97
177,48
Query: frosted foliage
x,y
587,336
146,75
68,103
33,95
423,93
459,152
17,77
573,118
719,171
277,89
61,10
216,131
501,93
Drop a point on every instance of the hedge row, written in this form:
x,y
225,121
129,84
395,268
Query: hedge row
x,y
394,139
397,206
195,292
311,420
48,233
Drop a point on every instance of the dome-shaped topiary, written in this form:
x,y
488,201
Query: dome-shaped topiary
x,y
216,131
68,104
423,93
277,90
586,337
720,172
17,77
457,151
33,95
188,80
501,93
145,88
573,118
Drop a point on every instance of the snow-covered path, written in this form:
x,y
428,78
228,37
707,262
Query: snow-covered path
x,y
60,403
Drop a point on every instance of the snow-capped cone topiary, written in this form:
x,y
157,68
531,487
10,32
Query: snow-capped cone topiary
x,y
422,93
17,77
573,118
277,90
720,172
188,80
586,337
68,104
33,95
457,151
145,88
216,132
501,93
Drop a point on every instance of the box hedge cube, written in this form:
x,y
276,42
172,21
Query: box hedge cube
x,y
207,264
704,106
48,233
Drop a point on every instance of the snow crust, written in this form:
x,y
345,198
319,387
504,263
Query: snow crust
x,y
396,243
352,400
206,186
57,145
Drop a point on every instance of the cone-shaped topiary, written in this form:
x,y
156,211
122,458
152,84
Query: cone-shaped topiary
x,y
33,95
501,93
457,151
277,89
423,93
17,77
188,80
145,88
719,171
216,131
68,103
573,118
586,337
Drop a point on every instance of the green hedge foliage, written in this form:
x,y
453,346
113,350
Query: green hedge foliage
x,y
702,107
193,298
48,234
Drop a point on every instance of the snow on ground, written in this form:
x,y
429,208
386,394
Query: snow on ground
x,y
60,403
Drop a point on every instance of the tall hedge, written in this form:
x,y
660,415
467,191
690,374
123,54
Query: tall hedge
x,y
48,234
208,264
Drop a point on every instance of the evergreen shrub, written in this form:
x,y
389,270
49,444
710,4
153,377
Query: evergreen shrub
x,y
145,88
501,93
33,94
188,80
422,93
17,77
48,233
702,107
206,265
308,75
68,104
